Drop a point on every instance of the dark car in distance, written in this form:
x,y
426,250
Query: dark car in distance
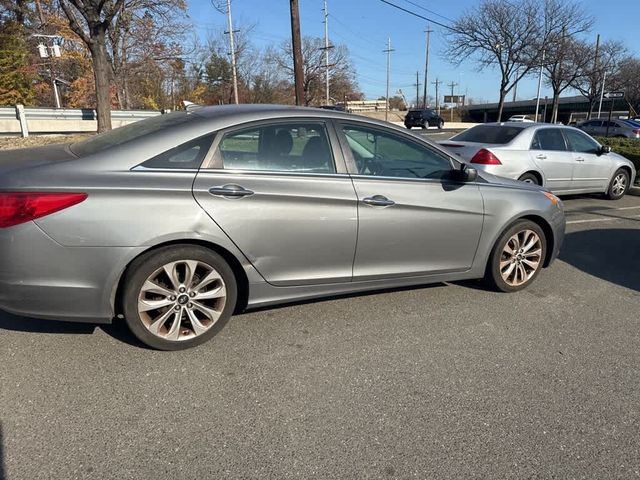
x,y
423,118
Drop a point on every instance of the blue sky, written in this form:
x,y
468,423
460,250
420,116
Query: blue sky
x,y
365,25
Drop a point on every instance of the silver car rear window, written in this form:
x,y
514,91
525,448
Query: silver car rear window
x,y
121,135
497,134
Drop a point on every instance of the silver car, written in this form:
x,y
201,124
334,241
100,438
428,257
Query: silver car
x,y
611,128
178,221
563,159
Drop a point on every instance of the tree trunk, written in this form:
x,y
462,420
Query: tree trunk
x,y
503,94
590,109
101,69
556,105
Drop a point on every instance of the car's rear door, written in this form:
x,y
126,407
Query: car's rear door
x,y
280,191
550,153
413,218
590,170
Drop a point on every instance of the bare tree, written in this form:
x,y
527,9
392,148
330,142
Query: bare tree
x,y
626,79
590,82
567,60
313,66
512,35
91,20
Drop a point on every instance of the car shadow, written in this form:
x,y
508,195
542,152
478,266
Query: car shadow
x,y
611,254
117,329
3,472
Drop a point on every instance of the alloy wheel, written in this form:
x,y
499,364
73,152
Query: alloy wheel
x,y
521,258
619,185
182,300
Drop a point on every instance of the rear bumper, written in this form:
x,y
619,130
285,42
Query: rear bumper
x,y
41,278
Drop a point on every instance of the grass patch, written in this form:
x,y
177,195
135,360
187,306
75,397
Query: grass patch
x,y
627,147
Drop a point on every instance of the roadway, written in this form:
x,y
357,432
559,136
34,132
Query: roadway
x,y
447,381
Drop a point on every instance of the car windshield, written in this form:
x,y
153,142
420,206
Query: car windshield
x,y
121,135
496,134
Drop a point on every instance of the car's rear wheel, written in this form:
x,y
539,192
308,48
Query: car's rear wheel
x,y
618,185
529,178
440,125
517,257
178,297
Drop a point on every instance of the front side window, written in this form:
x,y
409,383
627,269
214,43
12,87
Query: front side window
x,y
581,143
186,156
389,155
548,139
286,147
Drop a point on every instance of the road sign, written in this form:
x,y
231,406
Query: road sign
x,y
614,95
454,99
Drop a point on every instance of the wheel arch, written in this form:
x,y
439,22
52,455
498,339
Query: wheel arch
x,y
235,264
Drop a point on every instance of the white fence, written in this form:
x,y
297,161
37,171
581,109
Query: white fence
x,y
19,120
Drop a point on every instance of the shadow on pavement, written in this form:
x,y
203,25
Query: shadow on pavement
x,y
3,473
117,329
610,254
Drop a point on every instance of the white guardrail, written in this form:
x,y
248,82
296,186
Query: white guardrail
x,y
22,121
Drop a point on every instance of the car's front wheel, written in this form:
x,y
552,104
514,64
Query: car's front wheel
x,y
178,297
618,185
517,257
440,125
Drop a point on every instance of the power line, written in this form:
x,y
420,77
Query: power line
x,y
430,11
419,16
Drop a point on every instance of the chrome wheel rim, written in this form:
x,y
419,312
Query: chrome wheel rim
x,y
182,300
521,258
528,180
619,184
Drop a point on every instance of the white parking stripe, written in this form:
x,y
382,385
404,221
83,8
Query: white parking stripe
x,y
601,219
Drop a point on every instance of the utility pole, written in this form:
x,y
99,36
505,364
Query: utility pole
x,y
52,62
437,84
232,49
426,68
452,85
296,45
604,81
539,85
388,51
595,68
326,49
418,89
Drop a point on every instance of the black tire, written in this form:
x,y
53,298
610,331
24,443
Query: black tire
x,y
614,192
530,178
408,127
493,276
424,126
145,265
440,125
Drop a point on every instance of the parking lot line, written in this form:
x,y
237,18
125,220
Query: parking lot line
x,y
612,219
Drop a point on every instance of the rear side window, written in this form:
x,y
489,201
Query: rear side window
x,y
496,134
549,139
188,155
283,147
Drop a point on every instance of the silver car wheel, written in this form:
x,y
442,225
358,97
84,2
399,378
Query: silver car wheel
x,y
528,180
619,184
521,258
182,300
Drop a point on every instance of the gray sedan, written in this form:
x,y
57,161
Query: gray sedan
x,y
563,159
178,221
611,128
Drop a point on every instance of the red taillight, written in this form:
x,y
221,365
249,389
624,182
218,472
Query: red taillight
x,y
485,157
16,208
637,133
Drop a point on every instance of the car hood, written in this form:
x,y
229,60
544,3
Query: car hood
x,y
24,158
508,182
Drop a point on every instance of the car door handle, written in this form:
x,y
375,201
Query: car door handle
x,y
234,191
579,159
541,157
378,201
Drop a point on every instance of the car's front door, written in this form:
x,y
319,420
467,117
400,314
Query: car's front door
x,y
281,192
590,170
413,218
550,153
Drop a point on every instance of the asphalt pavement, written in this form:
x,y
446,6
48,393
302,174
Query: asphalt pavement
x,y
447,381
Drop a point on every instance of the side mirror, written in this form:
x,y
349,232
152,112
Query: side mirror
x,y
604,149
468,173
